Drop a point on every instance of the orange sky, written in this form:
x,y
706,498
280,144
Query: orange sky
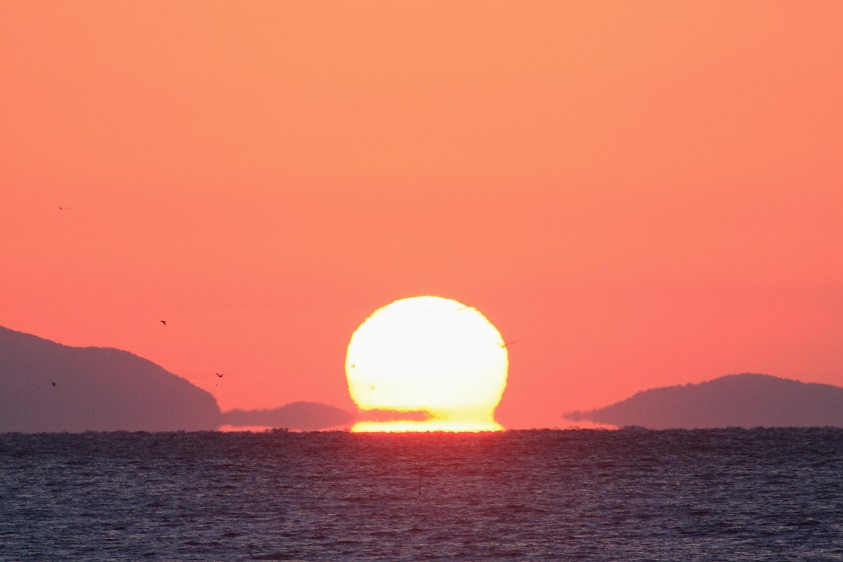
x,y
638,193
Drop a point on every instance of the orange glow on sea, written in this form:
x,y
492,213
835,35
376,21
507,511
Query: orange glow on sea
x,y
427,426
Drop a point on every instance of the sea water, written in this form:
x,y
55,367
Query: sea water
x,y
732,494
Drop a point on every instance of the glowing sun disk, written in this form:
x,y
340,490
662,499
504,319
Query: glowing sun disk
x,y
428,354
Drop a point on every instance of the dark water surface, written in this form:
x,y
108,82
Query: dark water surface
x,y
763,494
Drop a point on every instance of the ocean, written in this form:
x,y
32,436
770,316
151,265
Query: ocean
x,y
632,494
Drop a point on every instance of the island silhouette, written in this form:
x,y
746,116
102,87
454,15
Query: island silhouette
x,y
741,400
49,387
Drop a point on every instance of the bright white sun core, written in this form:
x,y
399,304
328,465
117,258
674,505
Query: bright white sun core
x,y
427,355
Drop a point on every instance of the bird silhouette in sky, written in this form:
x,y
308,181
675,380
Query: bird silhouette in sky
x,y
63,208
52,383
163,322
220,375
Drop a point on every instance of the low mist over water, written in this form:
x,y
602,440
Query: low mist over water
x,y
588,495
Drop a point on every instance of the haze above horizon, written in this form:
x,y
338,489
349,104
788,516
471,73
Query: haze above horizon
x,y
640,195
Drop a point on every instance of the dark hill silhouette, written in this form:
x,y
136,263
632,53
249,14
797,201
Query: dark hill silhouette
x,y
106,389
298,415
745,400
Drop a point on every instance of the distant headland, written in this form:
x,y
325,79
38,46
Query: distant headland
x,y
49,387
743,400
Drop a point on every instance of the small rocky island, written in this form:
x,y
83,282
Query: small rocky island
x,y
744,400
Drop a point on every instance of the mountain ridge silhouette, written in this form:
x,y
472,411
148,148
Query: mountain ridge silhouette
x,y
738,400
46,386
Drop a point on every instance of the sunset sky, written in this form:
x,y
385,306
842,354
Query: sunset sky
x,y
638,194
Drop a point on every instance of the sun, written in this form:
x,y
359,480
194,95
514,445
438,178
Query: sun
x,y
427,355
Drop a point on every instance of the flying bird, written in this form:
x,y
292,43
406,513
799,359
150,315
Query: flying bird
x,y
52,383
220,375
163,322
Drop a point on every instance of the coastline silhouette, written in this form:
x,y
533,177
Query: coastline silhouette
x,y
106,389
742,400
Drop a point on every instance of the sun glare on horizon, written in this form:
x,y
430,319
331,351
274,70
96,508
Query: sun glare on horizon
x,y
427,354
